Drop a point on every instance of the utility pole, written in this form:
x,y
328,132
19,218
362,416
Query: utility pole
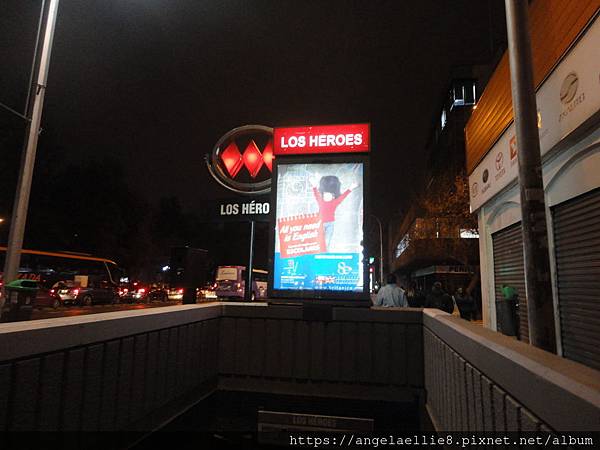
x,y
540,308
248,281
34,112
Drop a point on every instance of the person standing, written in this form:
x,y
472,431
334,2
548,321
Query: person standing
x,y
465,304
438,298
391,294
414,296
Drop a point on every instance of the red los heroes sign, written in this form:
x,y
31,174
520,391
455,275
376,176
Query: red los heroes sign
x,y
353,138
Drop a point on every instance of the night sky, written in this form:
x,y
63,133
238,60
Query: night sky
x,y
155,83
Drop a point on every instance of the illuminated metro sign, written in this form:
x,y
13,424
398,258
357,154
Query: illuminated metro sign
x,y
322,139
242,160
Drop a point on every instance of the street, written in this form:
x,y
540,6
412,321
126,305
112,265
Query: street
x,y
48,313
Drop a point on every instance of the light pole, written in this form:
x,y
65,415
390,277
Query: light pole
x,y
380,249
34,114
540,308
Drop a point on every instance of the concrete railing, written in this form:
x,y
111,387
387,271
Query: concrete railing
x,y
480,380
112,371
360,353
137,369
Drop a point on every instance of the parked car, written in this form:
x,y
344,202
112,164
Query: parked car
x,y
75,294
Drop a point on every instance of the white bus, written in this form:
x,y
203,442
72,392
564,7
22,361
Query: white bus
x,y
230,282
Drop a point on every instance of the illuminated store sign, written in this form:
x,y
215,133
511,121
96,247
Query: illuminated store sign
x,y
353,138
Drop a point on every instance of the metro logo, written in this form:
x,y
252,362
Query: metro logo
x,y
353,138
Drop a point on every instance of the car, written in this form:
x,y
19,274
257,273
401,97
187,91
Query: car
x,y
44,295
47,297
207,292
175,294
140,292
75,294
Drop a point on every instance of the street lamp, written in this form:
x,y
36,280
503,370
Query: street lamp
x,y
380,249
34,117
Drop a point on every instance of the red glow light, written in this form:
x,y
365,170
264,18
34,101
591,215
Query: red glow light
x,y
268,155
232,159
253,159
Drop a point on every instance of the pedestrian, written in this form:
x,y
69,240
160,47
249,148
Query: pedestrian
x,y
414,296
438,298
465,303
391,294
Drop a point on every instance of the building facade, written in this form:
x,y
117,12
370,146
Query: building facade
x,y
437,237
566,58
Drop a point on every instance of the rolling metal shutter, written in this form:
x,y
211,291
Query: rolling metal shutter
x,y
509,270
577,246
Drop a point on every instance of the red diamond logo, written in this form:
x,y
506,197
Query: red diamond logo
x,y
253,160
268,155
232,158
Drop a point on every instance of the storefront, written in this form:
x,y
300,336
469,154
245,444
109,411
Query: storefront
x,y
569,125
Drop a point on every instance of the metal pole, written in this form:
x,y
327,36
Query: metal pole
x,y
540,308
248,289
21,203
380,249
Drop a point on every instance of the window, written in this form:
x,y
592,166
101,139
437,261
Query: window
x,y
463,93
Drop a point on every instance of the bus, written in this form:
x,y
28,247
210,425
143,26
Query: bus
x,y
230,282
78,278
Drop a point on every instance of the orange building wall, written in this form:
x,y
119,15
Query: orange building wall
x,y
554,26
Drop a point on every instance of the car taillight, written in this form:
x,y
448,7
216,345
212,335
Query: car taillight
x,y
141,290
180,291
52,291
75,291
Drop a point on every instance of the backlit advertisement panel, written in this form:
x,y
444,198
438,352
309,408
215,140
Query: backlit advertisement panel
x,y
319,227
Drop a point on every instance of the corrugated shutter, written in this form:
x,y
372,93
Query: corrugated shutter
x,y
509,270
577,246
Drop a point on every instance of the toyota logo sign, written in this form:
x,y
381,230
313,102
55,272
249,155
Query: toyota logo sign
x,y
242,160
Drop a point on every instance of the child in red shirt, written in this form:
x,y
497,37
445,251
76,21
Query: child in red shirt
x,y
328,197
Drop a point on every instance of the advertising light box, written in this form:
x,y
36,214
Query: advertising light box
x,y
318,238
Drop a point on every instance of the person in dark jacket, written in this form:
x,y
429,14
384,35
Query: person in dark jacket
x,y
415,297
438,298
465,304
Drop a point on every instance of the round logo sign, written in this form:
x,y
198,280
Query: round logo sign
x,y
486,175
475,189
568,88
499,161
242,160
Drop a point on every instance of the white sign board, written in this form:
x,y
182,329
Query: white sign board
x,y
566,99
